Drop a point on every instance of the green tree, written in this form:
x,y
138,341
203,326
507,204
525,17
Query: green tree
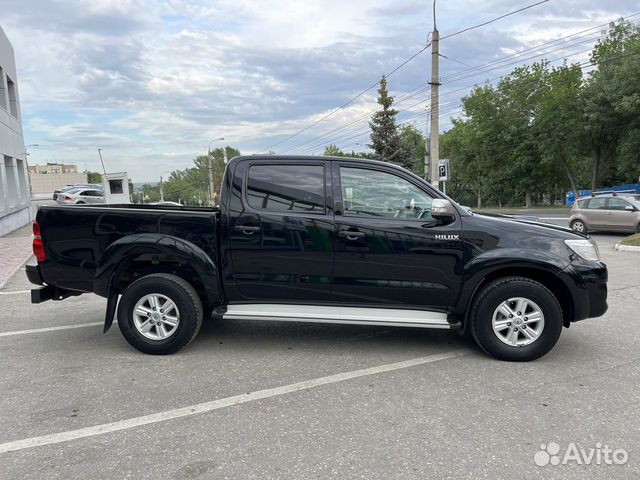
x,y
94,177
191,185
413,147
558,123
611,106
385,139
333,151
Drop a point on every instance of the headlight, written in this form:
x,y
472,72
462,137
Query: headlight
x,y
584,248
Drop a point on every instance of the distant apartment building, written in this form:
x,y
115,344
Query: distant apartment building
x,y
53,168
46,178
15,197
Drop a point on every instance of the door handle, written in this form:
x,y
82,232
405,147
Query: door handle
x,y
246,229
351,234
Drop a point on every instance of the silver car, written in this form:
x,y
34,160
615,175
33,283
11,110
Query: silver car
x,y
80,195
605,212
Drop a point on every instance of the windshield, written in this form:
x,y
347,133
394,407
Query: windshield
x,y
635,202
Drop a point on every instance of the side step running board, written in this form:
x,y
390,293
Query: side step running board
x,y
345,315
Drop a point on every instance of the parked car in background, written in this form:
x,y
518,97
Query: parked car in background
x,y
81,195
614,213
66,188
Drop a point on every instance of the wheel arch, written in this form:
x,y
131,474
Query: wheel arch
x,y
543,276
135,256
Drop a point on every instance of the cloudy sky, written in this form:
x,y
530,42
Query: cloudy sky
x,y
151,82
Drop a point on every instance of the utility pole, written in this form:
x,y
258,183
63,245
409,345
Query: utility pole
x,y
161,191
434,138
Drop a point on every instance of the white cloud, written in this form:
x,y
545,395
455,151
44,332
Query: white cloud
x,y
151,81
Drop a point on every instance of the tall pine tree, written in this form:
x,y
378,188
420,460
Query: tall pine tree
x,y
385,139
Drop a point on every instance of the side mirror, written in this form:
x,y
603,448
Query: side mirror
x,y
629,208
442,209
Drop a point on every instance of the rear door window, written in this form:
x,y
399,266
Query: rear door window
x,y
597,203
291,188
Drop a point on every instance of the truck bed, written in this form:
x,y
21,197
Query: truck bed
x,y
78,237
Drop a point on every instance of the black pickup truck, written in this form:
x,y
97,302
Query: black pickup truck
x,y
321,239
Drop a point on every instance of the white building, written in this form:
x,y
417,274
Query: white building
x,y
15,197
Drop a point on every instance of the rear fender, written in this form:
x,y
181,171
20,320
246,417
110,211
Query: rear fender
x,y
119,255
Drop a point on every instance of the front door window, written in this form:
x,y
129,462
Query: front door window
x,y
380,194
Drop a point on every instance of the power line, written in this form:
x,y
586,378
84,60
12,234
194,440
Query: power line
x,y
398,68
460,76
351,100
442,109
493,20
402,98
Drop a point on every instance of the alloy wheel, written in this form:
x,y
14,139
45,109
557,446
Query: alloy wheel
x,y
518,322
156,316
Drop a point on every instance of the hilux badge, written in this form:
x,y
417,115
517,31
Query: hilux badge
x,y
446,237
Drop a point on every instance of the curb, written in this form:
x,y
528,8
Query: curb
x,y
4,281
626,248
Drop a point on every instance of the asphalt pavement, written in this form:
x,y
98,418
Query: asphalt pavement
x,y
283,400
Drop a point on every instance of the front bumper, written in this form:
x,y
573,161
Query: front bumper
x,y
587,283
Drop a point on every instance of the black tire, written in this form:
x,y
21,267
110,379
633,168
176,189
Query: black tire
x,y
498,291
186,300
574,225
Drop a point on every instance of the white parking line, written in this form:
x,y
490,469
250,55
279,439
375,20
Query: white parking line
x,y
17,291
554,218
49,329
221,403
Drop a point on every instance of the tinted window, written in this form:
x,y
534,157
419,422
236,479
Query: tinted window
x,y
582,203
294,188
597,203
380,194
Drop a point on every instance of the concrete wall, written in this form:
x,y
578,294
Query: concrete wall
x,y
48,182
14,184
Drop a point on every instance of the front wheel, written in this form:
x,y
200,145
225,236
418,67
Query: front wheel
x,y
516,319
159,314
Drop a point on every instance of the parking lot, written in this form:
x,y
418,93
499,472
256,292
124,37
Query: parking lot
x,y
286,400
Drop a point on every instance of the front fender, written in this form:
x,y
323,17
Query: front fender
x,y
122,252
508,259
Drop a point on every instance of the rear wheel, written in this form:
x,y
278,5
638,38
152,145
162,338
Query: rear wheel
x,y
159,314
516,319
579,226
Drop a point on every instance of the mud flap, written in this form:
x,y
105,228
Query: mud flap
x,y
112,303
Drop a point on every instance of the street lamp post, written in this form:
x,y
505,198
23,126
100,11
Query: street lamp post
x,y
212,187
100,154
26,162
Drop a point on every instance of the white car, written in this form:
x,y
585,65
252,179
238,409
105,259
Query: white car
x,y
81,195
